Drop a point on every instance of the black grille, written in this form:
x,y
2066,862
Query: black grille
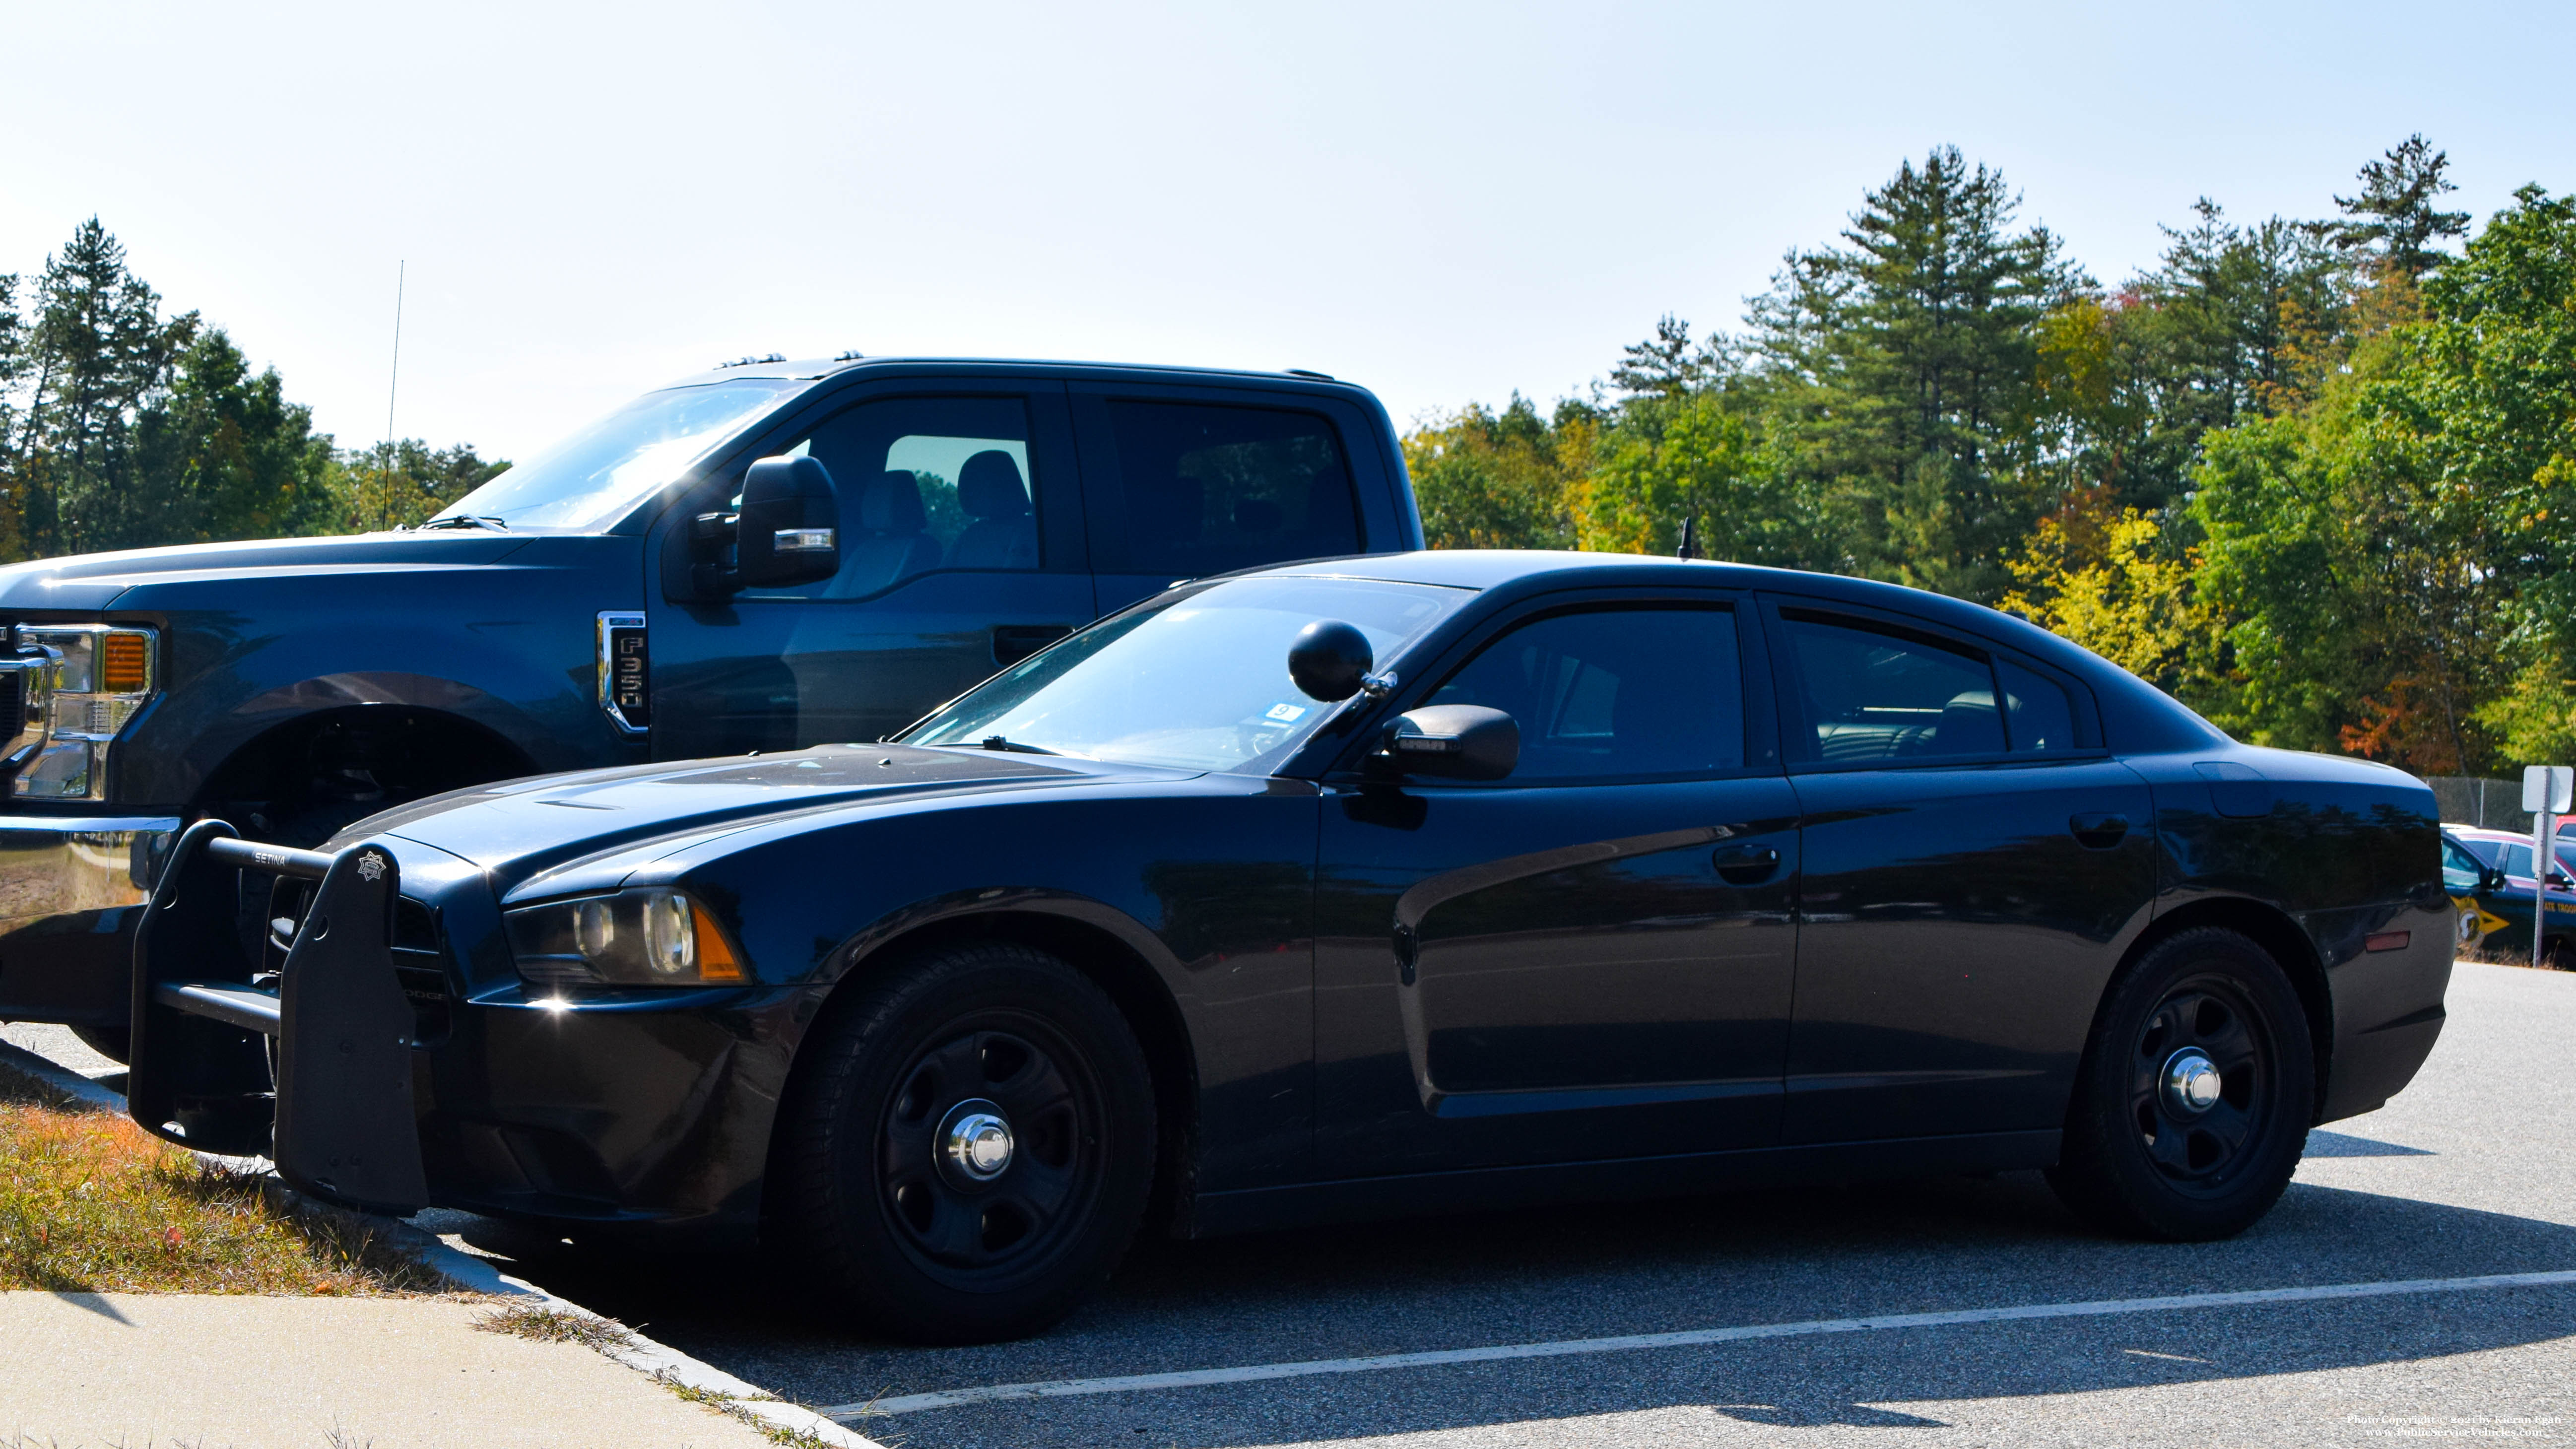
x,y
13,703
419,959
421,969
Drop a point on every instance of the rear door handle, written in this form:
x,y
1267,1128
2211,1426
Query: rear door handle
x,y
1745,864
2098,829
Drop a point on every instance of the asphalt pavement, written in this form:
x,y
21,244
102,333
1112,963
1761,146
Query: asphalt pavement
x,y
2468,1174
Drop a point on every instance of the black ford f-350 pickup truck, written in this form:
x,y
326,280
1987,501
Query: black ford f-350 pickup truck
x,y
640,592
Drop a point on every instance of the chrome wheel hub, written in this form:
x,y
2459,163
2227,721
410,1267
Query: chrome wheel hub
x,y
976,1141
2191,1082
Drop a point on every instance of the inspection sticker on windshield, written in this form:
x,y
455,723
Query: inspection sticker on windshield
x,y
1286,713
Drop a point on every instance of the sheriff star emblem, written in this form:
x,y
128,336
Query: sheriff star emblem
x,y
371,867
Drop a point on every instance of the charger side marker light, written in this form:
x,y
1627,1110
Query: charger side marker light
x,y
716,960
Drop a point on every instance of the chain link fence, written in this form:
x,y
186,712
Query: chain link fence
x,y
2487,804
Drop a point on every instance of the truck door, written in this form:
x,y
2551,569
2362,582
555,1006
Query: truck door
x,y
961,550
1186,482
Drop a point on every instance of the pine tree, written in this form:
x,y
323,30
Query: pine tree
x,y
1669,363
101,353
1911,360
2394,218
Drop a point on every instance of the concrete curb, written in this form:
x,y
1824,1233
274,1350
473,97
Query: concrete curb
x,y
477,1275
85,1094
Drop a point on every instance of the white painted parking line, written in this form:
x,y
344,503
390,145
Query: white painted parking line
x,y
2100,1308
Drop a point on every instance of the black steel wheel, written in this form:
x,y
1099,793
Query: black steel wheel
x,y
968,1147
2200,1084
2192,1105
985,1155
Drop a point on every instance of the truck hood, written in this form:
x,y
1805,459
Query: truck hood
x,y
93,581
520,827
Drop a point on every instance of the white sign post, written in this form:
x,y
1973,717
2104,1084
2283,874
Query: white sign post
x,y
2547,792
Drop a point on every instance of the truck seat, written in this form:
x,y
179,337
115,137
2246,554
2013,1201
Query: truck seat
x,y
1004,535
890,543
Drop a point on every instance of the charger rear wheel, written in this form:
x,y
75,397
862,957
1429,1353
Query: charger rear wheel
x,y
2192,1105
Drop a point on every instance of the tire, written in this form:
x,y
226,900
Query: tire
x,y
2141,1156
873,1194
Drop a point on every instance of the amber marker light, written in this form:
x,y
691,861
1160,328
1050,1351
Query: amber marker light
x,y
124,664
716,960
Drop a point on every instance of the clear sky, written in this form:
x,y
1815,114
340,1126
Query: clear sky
x,y
1443,202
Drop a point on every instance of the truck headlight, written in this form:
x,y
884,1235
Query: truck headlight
x,y
102,676
653,936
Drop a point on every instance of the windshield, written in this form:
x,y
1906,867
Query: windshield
x,y
592,479
1200,683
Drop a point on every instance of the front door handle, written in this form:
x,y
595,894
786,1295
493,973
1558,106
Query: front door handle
x,y
1015,642
1746,864
2098,829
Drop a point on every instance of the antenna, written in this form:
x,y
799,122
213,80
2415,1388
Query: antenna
x,y
393,380
1690,538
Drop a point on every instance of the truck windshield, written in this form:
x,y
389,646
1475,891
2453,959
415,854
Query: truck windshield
x,y
1200,683
593,478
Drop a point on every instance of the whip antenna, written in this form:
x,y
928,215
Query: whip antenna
x,y
393,380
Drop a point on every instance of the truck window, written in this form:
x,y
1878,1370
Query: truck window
x,y
928,483
1216,488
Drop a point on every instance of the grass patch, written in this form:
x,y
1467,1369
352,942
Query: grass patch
x,y
554,1325
91,1203
774,1432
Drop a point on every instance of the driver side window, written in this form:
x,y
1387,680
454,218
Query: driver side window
x,y
1614,693
927,483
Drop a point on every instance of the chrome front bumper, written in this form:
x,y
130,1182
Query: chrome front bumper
x,y
60,865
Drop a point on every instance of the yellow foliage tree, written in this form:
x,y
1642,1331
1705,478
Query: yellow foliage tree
x,y
2107,585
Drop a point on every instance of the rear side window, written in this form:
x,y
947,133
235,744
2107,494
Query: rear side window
x,y
1879,694
2037,714
1874,697
1216,488
1614,693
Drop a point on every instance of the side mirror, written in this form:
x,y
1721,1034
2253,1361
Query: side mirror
x,y
1455,741
1330,660
790,528
2490,878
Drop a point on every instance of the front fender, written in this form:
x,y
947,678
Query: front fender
x,y
1204,891
511,647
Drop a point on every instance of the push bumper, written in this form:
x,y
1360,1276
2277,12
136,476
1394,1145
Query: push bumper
x,y
643,1108
71,891
337,1112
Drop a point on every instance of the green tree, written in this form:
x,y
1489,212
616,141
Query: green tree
x,y
2398,560
405,484
220,455
100,354
2394,221
1484,479
1906,366
1670,363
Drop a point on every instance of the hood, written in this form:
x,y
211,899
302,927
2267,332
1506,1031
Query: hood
x,y
95,580
530,825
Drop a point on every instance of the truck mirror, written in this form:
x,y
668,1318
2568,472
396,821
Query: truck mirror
x,y
790,528
1457,741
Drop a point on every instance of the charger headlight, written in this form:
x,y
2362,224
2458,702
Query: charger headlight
x,y
651,936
